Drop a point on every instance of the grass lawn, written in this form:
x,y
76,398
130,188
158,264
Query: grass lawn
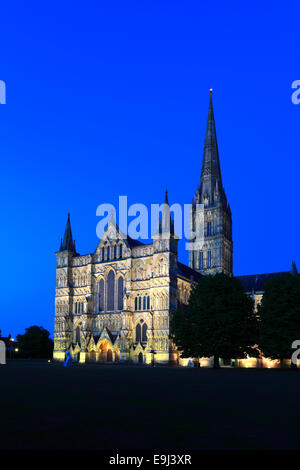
x,y
47,406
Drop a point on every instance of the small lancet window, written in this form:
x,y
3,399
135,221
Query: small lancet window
x,y
144,332
209,259
138,335
101,295
209,228
201,260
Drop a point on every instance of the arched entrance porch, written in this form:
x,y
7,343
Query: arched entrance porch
x,y
105,351
140,358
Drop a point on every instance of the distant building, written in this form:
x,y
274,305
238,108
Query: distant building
x,y
115,304
9,345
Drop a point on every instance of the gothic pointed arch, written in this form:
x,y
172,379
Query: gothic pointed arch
x,y
110,290
140,357
120,285
138,332
101,291
141,328
144,332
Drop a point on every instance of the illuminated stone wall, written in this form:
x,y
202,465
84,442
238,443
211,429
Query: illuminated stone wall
x,y
94,333
150,291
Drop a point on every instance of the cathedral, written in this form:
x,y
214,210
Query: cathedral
x,y
114,305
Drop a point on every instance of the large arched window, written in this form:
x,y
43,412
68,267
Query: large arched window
x,y
101,295
138,335
120,293
141,332
144,332
111,291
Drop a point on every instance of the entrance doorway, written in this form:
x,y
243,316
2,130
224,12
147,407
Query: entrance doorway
x,y
109,355
141,358
105,352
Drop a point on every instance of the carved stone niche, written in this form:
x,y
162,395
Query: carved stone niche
x,y
89,300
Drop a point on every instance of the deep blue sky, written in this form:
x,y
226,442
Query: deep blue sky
x,y
109,98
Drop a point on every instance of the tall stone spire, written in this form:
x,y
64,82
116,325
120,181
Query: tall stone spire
x,y
211,180
213,251
68,244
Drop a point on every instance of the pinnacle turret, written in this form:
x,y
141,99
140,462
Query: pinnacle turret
x,y
166,225
68,244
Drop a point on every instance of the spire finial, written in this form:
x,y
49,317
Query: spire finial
x,y
166,224
166,197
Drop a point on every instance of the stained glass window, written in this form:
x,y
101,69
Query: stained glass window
x,y
111,291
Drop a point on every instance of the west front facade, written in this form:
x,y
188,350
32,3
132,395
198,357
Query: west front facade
x,y
115,304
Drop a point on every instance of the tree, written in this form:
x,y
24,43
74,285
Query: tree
x,y
279,314
35,343
218,321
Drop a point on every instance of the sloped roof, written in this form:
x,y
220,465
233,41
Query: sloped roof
x,y
109,333
188,272
96,338
133,243
256,282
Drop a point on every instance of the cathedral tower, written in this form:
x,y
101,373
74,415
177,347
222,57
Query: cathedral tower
x,y
64,294
166,243
214,253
